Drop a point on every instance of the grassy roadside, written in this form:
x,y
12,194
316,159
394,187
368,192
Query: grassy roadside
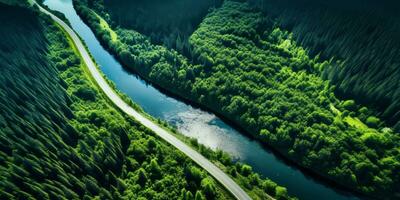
x,y
301,148
242,174
220,189
219,158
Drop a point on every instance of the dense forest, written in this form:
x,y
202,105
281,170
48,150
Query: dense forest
x,y
247,67
363,36
61,139
169,23
23,3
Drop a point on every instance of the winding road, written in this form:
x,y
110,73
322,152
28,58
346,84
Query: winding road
x,y
203,162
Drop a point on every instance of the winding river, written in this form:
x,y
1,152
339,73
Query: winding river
x,y
196,123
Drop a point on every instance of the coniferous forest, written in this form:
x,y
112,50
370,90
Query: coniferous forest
x,y
316,82
162,23
60,138
259,71
362,37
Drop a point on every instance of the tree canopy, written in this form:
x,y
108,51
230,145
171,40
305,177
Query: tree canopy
x,y
61,139
243,65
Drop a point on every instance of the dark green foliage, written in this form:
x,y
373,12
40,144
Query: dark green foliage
x,y
199,196
57,141
165,22
188,196
256,75
280,192
362,35
194,174
23,3
245,170
208,187
86,93
39,140
59,137
372,121
142,177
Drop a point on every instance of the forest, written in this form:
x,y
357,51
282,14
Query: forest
x,y
23,3
247,67
60,138
169,23
363,37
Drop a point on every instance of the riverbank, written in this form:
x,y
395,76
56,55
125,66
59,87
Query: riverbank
x,y
217,109
176,94
243,180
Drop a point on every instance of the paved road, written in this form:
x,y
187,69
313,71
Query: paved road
x,y
217,173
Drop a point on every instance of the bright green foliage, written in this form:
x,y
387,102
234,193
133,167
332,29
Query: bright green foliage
x,y
208,187
165,22
142,177
241,173
372,121
245,170
199,196
42,145
362,36
349,105
61,139
280,192
256,75
188,195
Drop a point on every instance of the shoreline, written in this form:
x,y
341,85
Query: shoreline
x,y
280,154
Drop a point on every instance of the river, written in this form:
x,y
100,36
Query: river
x,y
207,128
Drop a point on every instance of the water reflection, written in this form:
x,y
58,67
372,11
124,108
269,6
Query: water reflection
x,y
207,128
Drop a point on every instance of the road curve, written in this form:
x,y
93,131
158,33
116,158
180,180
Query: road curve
x,y
217,173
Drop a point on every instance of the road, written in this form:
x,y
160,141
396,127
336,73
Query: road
x,y
203,162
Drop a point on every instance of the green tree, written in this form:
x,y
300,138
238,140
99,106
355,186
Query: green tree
x,y
372,122
208,186
199,195
142,177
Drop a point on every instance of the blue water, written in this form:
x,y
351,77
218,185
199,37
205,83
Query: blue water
x,y
204,126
